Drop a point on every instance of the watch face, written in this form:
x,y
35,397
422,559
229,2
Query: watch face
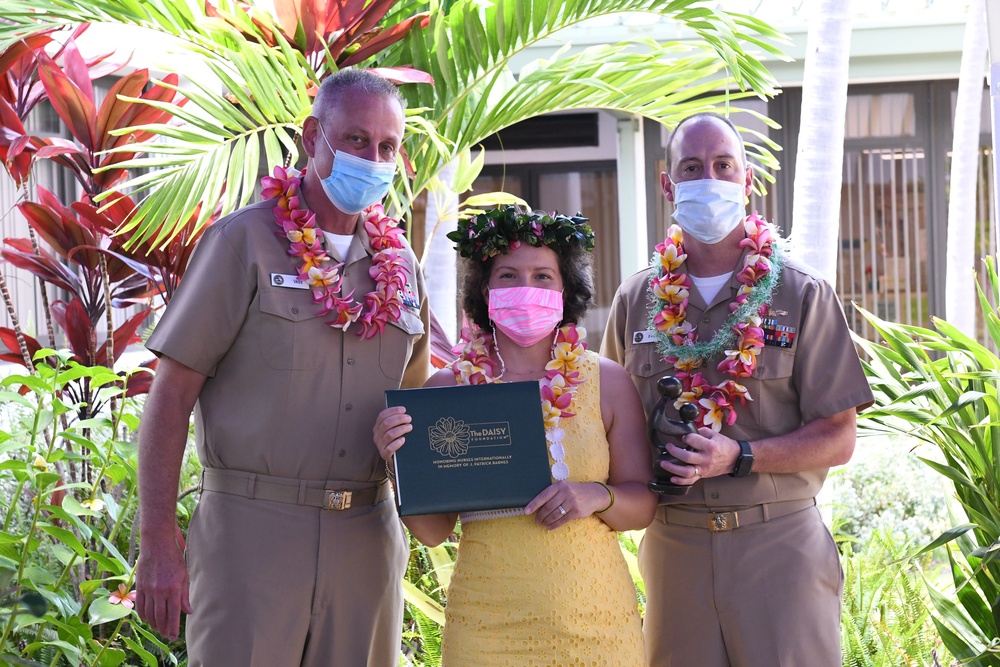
x,y
744,464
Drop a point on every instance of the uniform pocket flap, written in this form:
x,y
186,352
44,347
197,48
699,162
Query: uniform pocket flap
x,y
645,360
775,364
288,304
409,323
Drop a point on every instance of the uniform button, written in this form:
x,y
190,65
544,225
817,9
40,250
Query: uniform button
x,y
295,311
350,361
349,407
646,367
715,495
342,453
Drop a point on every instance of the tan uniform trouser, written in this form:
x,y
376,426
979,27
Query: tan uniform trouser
x,y
281,585
762,595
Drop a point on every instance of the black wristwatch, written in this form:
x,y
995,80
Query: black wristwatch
x,y
744,462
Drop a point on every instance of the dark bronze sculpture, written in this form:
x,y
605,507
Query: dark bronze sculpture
x,y
663,429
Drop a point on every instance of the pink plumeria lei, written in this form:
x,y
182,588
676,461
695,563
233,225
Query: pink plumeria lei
x,y
389,268
476,365
741,337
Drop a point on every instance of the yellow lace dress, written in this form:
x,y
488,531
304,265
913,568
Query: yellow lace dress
x,y
522,595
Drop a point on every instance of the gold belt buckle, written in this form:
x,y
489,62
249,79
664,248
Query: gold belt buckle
x,y
338,500
720,522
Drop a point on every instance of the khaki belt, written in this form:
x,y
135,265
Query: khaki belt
x,y
719,522
293,491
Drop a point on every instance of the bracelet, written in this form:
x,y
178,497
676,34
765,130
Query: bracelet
x,y
391,474
610,493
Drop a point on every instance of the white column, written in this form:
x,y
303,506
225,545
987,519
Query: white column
x,y
631,197
993,33
439,260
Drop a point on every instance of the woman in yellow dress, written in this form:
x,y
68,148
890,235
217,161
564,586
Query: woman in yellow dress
x,y
545,584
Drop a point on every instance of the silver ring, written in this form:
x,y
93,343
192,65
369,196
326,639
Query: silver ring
x,y
696,473
562,510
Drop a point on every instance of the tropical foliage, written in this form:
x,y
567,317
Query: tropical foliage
x,y
268,67
887,489
885,619
67,456
68,503
67,459
940,387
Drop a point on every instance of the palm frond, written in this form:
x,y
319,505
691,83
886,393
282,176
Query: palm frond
x,y
469,49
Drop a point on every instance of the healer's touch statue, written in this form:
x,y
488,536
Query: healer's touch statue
x,y
663,429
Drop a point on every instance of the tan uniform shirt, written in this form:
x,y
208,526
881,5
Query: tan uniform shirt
x,y
286,395
816,376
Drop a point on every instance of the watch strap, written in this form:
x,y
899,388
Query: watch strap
x,y
744,462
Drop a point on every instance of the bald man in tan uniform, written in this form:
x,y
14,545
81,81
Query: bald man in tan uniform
x,y
741,570
295,554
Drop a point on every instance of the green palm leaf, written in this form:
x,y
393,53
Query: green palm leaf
x,y
469,50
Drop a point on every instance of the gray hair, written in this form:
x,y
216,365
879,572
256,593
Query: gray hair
x,y
339,86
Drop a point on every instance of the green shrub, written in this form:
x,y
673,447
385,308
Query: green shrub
x,y
68,506
939,386
886,488
885,620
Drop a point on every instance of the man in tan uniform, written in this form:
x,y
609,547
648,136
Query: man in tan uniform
x,y
740,570
295,553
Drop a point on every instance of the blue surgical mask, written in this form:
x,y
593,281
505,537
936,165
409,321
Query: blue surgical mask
x,y
355,183
709,209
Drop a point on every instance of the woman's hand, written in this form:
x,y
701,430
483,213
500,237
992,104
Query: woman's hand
x,y
564,501
390,427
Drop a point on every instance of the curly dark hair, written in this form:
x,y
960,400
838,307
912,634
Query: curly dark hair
x,y
576,266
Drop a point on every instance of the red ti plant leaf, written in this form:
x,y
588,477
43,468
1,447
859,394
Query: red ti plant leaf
x,y
375,41
162,266
81,335
19,73
42,264
116,114
15,146
122,337
76,69
140,382
80,234
12,353
59,227
360,23
52,147
102,226
74,106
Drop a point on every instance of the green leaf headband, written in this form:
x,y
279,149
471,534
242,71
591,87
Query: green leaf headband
x,y
491,233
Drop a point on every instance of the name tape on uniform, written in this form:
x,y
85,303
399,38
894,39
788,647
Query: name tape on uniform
x,y
288,280
647,336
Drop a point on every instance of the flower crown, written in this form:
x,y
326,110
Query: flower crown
x,y
489,234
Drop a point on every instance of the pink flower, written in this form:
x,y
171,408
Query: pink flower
x,y
384,233
123,596
718,411
276,185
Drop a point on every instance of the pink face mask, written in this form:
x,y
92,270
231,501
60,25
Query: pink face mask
x,y
525,314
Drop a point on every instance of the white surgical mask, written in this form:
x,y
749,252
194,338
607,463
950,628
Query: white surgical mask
x,y
709,209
